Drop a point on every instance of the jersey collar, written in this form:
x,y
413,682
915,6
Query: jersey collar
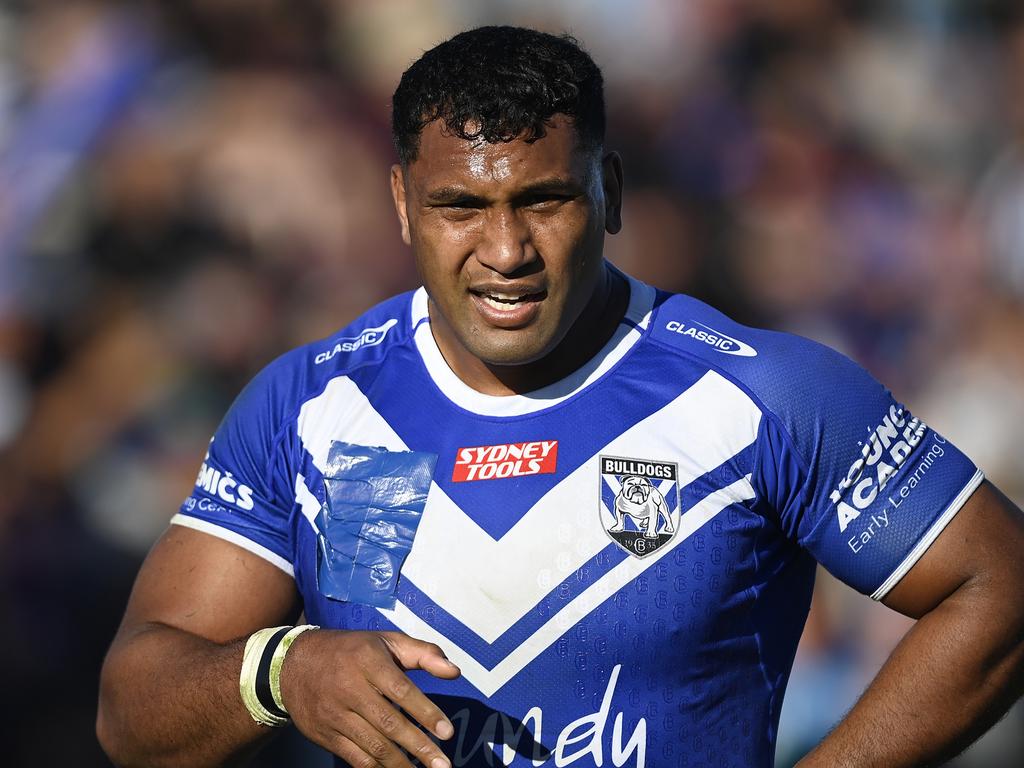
x,y
630,330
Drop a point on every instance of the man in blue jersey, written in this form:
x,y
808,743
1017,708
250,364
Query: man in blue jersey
x,y
603,503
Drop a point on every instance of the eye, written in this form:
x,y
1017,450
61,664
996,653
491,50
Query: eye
x,y
459,211
546,201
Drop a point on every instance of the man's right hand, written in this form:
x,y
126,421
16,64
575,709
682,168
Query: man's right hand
x,y
347,692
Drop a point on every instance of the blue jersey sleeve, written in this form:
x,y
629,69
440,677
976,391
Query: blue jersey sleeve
x,y
854,477
241,492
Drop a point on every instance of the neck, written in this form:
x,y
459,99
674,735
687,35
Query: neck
x,y
591,331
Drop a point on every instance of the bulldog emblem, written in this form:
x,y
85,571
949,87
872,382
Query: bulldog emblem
x,y
639,503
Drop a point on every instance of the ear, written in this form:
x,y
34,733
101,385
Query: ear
x,y
398,195
611,170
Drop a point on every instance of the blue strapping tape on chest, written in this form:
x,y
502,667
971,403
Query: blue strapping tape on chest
x,y
375,500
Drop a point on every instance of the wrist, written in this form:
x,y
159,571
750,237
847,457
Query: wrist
x,y
293,678
260,678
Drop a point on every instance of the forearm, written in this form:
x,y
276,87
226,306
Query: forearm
x,y
954,674
170,698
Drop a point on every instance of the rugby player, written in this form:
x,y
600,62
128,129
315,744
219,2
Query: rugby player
x,y
539,513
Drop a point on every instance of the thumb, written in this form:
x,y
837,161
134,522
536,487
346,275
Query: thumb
x,y
411,653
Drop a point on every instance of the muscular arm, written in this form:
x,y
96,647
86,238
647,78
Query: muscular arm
x,y
169,686
962,664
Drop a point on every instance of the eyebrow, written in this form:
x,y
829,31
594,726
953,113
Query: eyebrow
x,y
458,194
556,186
448,195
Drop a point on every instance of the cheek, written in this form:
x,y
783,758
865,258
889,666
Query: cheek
x,y
432,259
431,271
443,247
563,248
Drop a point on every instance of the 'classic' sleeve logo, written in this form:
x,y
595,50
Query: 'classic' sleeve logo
x,y
717,340
369,337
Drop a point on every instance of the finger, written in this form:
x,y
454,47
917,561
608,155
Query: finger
x,y
376,748
396,686
349,751
393,725
419,654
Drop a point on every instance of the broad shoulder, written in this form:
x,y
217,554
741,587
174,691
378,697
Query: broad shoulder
x,y
783,372
285,383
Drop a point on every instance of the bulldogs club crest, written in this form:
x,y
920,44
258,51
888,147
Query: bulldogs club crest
x,y
639,505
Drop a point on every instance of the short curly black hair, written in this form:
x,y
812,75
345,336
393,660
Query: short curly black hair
x,y
499,84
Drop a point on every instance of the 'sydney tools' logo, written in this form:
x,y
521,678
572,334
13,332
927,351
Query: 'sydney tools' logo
x,y
639,504
496,462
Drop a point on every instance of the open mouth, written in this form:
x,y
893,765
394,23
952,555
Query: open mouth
x,y
505,302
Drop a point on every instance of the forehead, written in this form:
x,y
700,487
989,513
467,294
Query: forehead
x,y
448,160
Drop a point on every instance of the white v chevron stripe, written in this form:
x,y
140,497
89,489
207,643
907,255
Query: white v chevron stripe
x,y
488,681
703,427
308,503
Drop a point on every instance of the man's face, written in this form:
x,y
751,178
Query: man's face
x,y
507,237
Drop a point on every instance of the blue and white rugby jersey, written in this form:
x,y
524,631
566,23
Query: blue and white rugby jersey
x,y
620,563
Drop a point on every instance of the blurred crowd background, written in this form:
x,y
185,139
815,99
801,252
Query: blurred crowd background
x,y
190,187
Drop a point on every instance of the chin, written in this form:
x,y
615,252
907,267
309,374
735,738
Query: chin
x,y
510,358
508,352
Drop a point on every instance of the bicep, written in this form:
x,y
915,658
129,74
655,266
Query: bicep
x,y
982,547
209,587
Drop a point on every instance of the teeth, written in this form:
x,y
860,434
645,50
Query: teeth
x,y
503,296
500,301
505,301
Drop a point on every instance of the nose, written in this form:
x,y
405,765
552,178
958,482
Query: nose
x,y
507,243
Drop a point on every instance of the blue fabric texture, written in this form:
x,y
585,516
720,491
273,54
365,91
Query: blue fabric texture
x,y
375,500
